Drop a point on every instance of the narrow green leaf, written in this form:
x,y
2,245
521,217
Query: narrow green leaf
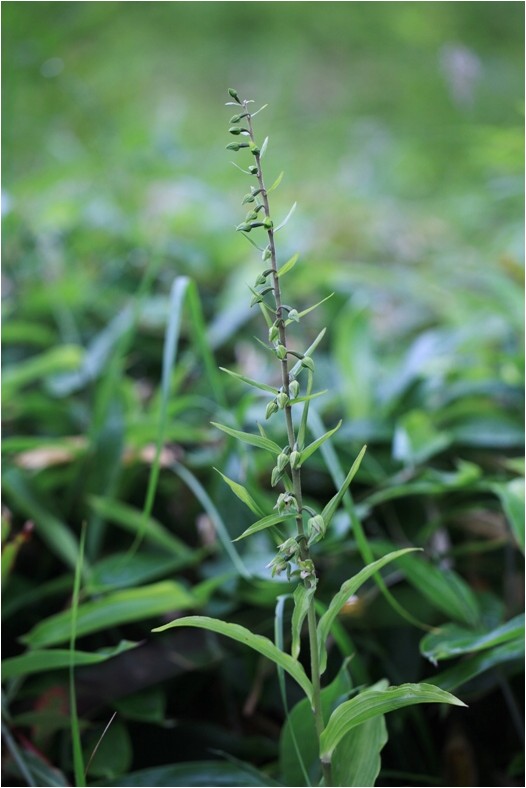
x,y
302,600
259,643
286,267
371,703
115,609
511,496
444,588
214,774
252,440
36,368
243,494
452,641
265,522
311,448
251,241
286,219
40,660
330,509
308,397
210,508
136,521
310,350
263,148
311,308
254,383
78,755
276,183
346,590
472,666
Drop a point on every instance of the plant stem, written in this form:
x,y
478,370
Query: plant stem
x,y
295,472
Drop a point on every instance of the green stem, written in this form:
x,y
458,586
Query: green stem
x,y
295,472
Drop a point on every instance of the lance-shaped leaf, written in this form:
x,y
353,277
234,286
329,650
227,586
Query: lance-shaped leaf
x,y
371,703
311,448
310,350
287,217
340,598
302,600
242,493
248,437
452,641
265,522
254,383
310,309
276,183
330,509
42,660
259,643
288,265
308,397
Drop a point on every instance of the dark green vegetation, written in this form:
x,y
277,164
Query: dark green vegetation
x,y
399,127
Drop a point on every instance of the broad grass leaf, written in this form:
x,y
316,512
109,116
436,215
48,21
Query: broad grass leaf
x,y
444,588
49,527
372,703
250,438
511,496
40,660
471,667
138,522
215,774
114,609
340,598
451,640
416,439
257,642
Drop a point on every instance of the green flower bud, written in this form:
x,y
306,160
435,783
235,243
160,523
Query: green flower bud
x,y
282,399
294,315
307,362
316,528
261,280
237,145
273,333
248,198
267,254
272,407
249,217
255,150
237,118
276,476
282,461
294,389
267,221
253,170
295,459
281,351
289,548
233,93
235,130
244,227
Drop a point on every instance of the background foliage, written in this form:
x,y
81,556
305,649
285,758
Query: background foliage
x,y
399,127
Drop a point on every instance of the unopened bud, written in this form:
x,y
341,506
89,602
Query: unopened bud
x,y
267,221
273,333
295,459
261,280
244,227
248,198
282,461
307,362
282,400
281,351
276,476
253,170
237,145
294,315
233,93
235,130
294,389
316,528
267,254
272,407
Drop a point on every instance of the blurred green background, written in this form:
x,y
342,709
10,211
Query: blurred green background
x,y
399,126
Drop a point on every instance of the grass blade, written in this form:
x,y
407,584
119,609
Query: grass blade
x,y
78,756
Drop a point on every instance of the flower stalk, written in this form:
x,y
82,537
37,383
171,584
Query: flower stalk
x,y
289,391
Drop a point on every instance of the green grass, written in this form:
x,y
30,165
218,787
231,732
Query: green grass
x,y
410,211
